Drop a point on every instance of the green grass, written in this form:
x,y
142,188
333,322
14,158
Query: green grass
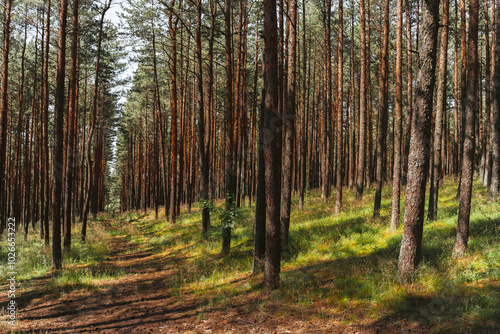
x,y
338,263
80,267
335,267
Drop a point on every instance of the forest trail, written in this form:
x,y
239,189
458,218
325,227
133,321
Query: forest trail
x,y
143,299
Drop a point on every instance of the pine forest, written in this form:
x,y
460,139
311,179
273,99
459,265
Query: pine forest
x,y
242,166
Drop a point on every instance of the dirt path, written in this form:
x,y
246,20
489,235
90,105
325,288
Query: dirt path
x,y
142,301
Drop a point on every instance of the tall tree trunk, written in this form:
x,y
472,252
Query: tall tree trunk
x,y
486,143
204,143
173,125
70,153
327,106
463,84
230,168
360,183
440,114
272,147
418,166
46,128
456,135
93,124
398,127
305,125
409,94
495,133
57,164
340,107
3,111
471,109
289,124
383,112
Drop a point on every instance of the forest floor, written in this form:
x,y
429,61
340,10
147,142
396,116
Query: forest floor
x,y
140,274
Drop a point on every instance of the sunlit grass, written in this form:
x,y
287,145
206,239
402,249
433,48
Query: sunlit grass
x,y
340,267
34,260
336,263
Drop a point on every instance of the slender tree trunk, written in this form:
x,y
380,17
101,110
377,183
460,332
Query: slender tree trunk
x,y
463,84
409,94
203,139
398,127
418,166
456,137
93,124
230,168
305,127
486,144
383,112
327,107
289,125
340,107
360,178
440,113
57,164
70,153
495,133
173,125
46,128
471,109
3,111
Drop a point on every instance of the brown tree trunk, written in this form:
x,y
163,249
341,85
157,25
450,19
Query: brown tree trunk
x,y
456,136
272,147
3,111
70,153
383,112
409,94
463,84
230,168
440,114
418,166
289,125
93,124
360,178
46,189
398,128
57,164
173,125
471,109
204,142
327,106
495,133
486,142
340,107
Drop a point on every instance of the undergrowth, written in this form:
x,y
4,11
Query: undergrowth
x,y
335,266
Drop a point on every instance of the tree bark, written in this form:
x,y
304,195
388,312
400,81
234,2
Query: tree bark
x,y
3,111
360,178
57,172
230,168
440,114
70,153
398,127
86,203
340,108
418,165
289,125
495,133
383,112
471,109
272,147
